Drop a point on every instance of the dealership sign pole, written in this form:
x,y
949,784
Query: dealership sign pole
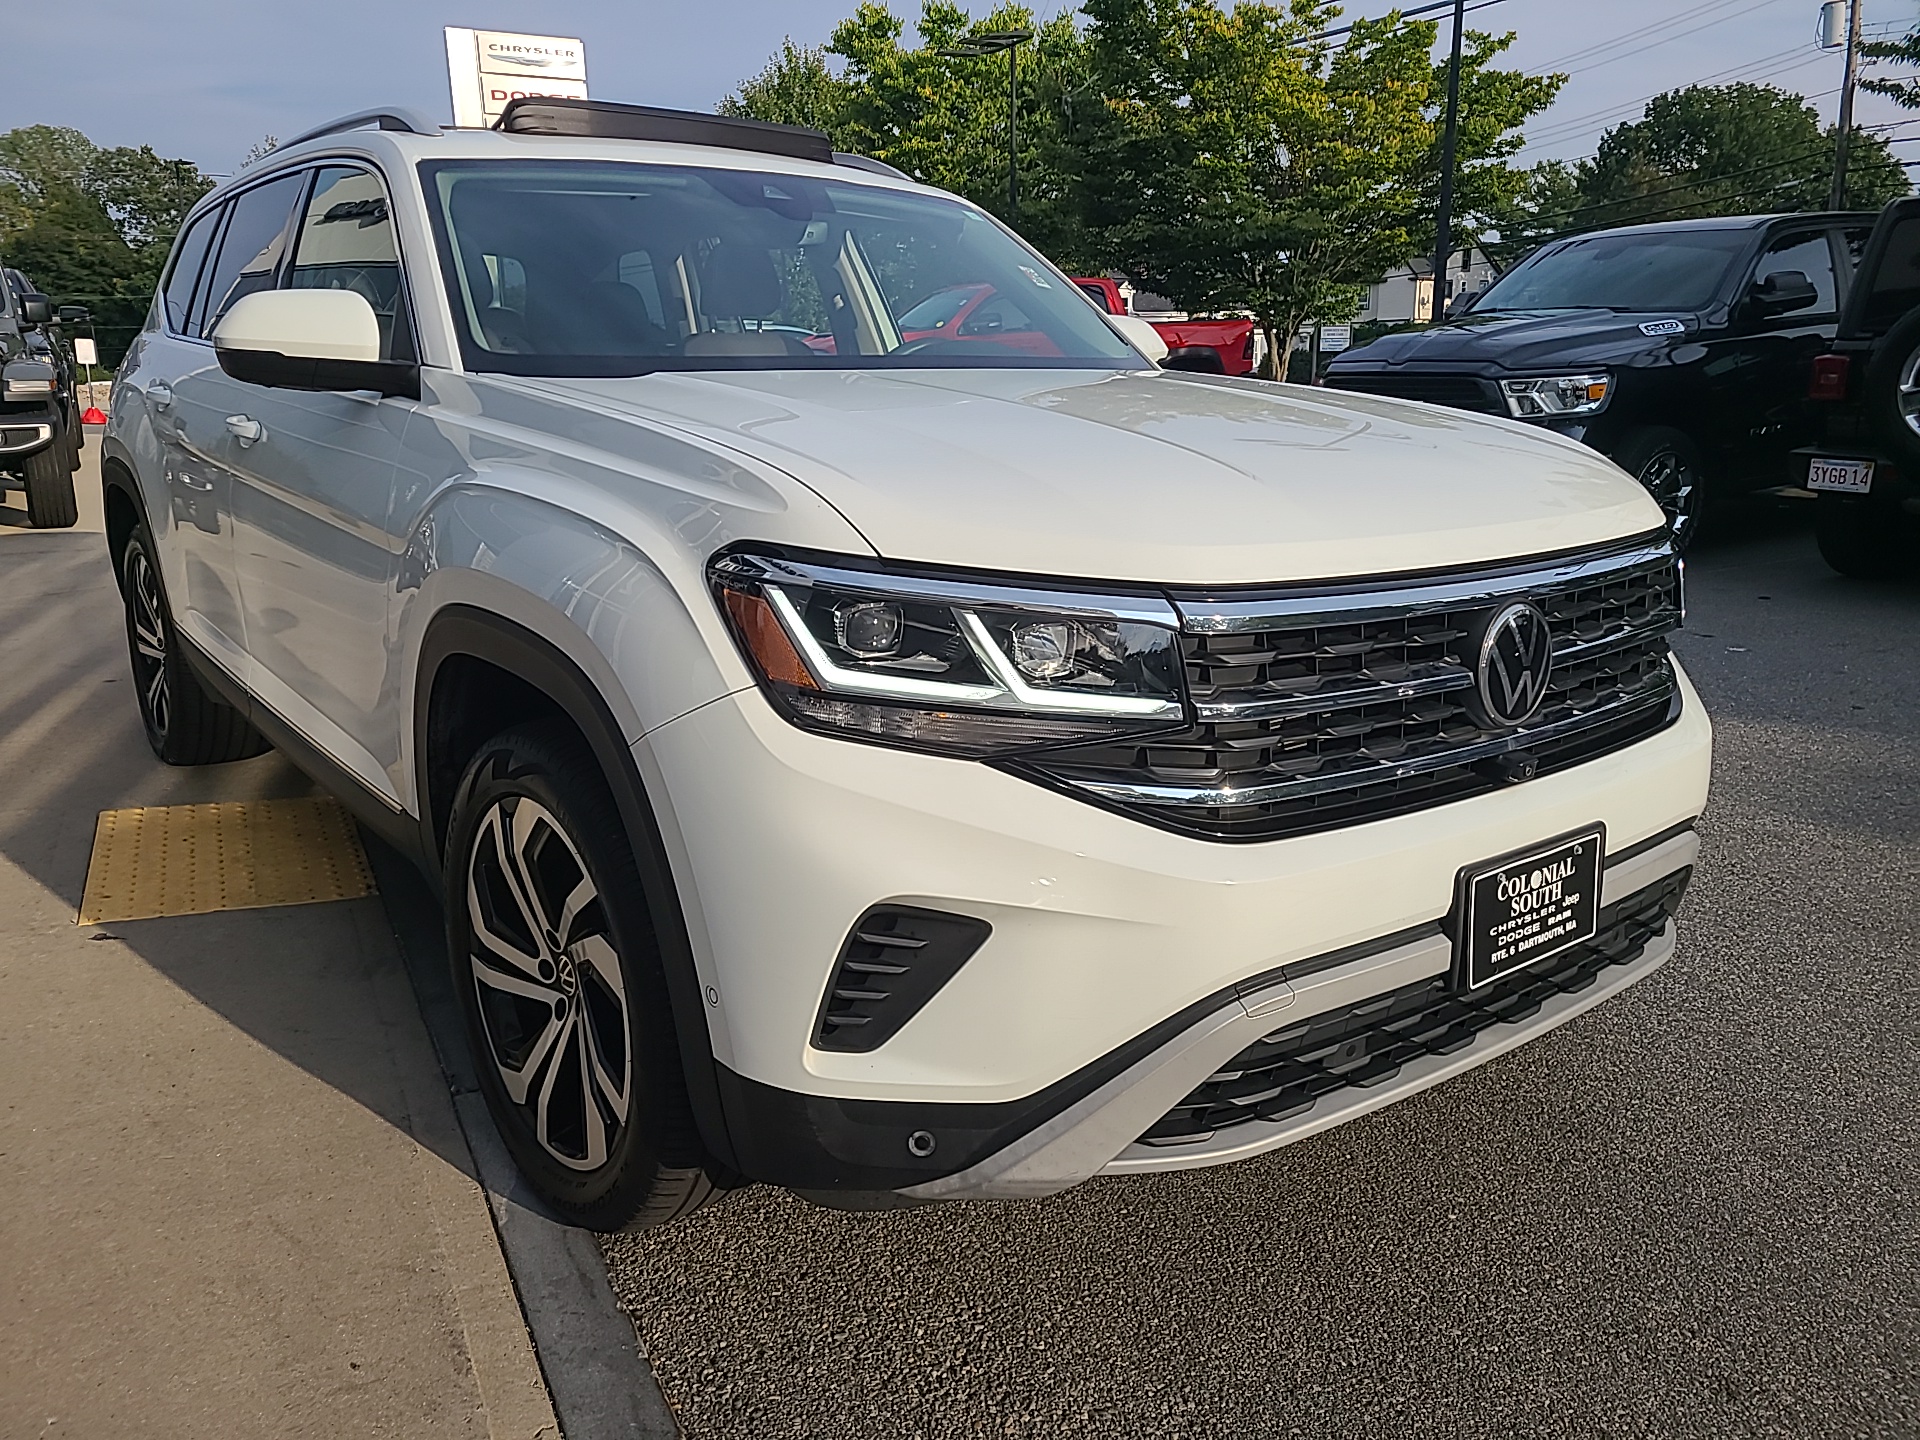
x,y
488,68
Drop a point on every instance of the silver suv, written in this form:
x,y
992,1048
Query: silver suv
x,y
885,754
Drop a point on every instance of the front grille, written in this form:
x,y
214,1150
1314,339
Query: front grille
x,y
1314,711
1459,392
1286,1073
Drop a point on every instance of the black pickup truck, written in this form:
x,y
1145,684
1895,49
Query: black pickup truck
x,y
40,431
1680,350
1865,463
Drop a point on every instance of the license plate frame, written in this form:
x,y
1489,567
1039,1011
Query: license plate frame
x,y
1559,879
1840,475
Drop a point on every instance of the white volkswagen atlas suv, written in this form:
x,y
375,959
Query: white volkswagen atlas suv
x,y
873,731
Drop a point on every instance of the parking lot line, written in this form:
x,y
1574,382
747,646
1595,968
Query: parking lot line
x,y
158,860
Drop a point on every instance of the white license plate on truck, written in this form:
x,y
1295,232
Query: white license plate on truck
x,y
1848,477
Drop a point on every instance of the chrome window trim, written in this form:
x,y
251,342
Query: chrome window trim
x,y
1222,616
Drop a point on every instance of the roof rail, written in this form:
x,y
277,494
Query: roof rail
x,y
411,121
867,162
607,119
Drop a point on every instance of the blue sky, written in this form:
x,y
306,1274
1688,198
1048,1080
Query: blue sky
x,y
206,78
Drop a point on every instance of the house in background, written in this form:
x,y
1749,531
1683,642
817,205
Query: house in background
x,y
1406,294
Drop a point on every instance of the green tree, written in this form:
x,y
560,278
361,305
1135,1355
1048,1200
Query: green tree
x,y
91,225
1231,161
796,88
1727,150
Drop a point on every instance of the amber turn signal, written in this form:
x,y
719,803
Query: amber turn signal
x,y
766,639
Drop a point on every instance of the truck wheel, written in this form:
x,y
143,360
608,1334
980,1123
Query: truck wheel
x,y
185,725
1668,464
563,987
50,499
1863,541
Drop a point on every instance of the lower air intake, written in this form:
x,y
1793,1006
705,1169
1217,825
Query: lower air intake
x,y
893,962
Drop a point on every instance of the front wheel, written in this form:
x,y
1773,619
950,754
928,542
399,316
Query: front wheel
x,y
561,981
1667,463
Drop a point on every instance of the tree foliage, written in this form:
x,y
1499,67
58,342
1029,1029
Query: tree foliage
x,y
92,225
796,88
1713,150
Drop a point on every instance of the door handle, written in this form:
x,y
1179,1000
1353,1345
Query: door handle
x,y
244,428
159,394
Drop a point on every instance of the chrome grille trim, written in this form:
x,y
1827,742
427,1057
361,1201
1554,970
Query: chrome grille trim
x,y
1659,694
1332,604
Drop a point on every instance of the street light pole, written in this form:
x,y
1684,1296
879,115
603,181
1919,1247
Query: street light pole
x,y
975,47
1443,236
1838,198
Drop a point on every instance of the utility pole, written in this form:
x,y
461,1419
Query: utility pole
x,y
1443,238
1838,199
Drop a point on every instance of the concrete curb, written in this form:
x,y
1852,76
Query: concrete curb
x,y
599,1379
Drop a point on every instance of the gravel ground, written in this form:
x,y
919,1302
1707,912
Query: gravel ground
x,y
1689,1213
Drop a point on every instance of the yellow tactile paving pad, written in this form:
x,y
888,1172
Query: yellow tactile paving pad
x,y
194,859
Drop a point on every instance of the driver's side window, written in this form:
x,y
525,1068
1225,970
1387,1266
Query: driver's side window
x,y
1810,255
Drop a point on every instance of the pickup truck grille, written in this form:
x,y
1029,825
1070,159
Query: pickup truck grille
x,y
1460,392
1315,710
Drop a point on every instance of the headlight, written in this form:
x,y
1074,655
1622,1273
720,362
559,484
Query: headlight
x,y
26,380
1557,395
954,666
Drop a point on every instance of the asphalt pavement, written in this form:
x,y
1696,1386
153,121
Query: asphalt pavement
x,y
1691,1212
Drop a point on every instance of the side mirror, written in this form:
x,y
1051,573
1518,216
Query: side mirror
x,y
309,340
36,309
74,315
1781,293
1139,334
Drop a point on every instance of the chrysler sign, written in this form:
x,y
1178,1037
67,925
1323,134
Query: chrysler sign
x,y
488,68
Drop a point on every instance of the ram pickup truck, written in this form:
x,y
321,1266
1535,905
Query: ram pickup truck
x,y
1212,347
40,432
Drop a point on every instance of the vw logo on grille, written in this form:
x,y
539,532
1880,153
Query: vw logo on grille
x,y
1512,659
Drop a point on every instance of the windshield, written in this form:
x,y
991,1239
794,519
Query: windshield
x,y
1660,270
585,268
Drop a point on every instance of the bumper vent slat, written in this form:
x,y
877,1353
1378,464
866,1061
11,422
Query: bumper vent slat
x,y
1285,1073
1315,713
894,961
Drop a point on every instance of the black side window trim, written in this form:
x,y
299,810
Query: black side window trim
x,y
216,218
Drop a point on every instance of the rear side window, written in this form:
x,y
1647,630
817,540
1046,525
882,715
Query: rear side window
x,y
187,257
1812,256
250,251
345,242
1896,281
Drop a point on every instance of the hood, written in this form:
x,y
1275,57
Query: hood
x,y
1146,476
1526,340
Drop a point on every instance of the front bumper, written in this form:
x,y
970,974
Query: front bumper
x,y
1125,962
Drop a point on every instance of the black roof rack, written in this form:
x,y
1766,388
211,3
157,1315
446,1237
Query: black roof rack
x,y
605,119
395,118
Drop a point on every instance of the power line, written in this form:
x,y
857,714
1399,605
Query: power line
x,y
1651,30
1417,10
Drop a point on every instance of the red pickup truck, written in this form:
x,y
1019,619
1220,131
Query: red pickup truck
x,y
1220,347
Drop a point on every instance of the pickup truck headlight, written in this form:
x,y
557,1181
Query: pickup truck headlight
x,y
954,666
26,380
1556,395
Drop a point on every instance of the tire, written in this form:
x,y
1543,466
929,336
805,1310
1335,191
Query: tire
x,y
185,725
51,504
1890,392
1864,541
1668,464
563,988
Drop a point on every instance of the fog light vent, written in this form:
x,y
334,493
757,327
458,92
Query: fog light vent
x,y
894,961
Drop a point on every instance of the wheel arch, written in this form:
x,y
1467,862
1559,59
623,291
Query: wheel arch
x,y
479,672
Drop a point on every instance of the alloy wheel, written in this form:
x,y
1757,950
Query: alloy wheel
x,y
552,995
1908,396
149,642
1673,483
